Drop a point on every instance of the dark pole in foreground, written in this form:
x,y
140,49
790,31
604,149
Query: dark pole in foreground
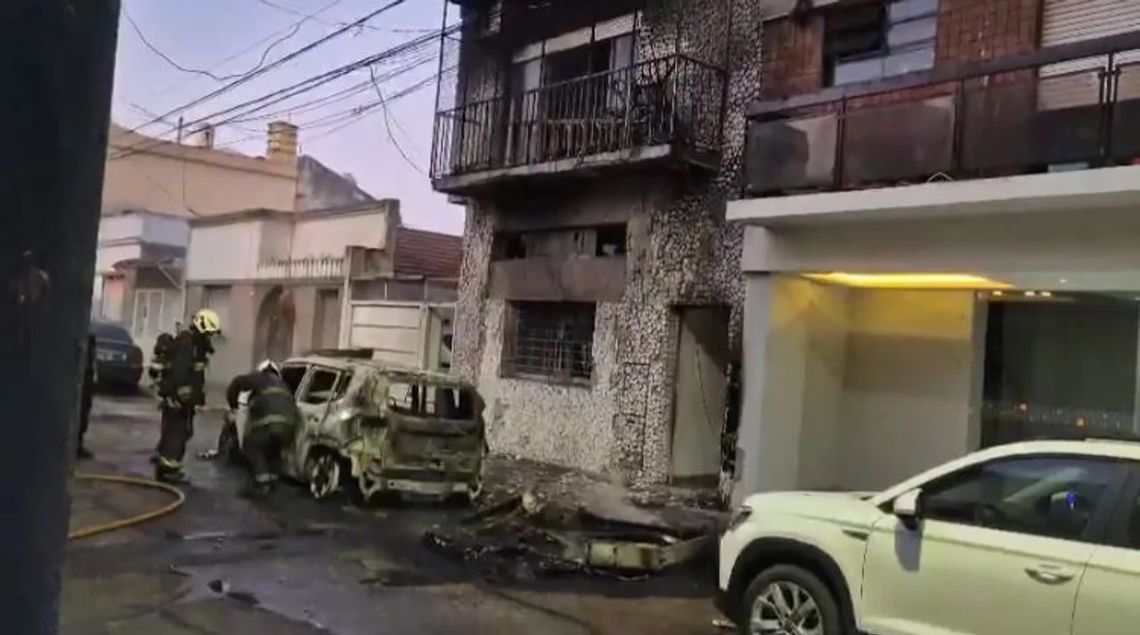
x,y
55,78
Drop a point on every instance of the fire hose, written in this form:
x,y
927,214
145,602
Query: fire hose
x,y
94,530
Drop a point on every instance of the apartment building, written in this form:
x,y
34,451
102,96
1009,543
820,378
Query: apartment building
x,y
595,143
941,246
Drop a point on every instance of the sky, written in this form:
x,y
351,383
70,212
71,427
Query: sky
x,y
205,34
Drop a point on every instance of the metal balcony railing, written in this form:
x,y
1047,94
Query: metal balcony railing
x,y
670,100
1060,108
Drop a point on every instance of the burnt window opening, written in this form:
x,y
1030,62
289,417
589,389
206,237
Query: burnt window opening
x,y
549,340
429,400
584,242
874,40
611,241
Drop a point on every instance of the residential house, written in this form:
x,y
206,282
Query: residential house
x,y
285,282
152,190
595,143
940,247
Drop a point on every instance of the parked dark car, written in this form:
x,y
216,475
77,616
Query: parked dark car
x,y
118,361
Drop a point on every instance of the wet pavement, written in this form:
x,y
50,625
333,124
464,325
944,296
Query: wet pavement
x,y
290,565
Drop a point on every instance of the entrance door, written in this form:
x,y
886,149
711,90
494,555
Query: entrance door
x,y
327,324
700,392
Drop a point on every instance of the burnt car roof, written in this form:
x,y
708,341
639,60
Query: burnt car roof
x,y
388,369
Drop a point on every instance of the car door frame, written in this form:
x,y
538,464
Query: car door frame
x,y
1115,537
1093,535
293,459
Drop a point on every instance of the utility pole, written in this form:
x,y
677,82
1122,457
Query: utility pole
x,y
59,63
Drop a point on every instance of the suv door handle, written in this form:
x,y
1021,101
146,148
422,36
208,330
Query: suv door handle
x,y
1049,573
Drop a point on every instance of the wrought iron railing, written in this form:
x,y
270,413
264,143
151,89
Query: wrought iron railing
x,y
1060,108
670,100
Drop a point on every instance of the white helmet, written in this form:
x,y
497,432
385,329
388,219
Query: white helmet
x,y
269,366
207,322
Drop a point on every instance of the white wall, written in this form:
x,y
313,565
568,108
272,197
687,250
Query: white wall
x,y
165,230
909,382
224,252
276,241
120,227
852,388
329,236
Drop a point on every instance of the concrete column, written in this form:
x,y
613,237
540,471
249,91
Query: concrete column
x,y
768,444
57,74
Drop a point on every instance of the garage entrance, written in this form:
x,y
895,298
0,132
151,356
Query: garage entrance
x,y
1059,365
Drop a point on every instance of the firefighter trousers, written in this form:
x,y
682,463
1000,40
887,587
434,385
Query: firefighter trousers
x,y
177,428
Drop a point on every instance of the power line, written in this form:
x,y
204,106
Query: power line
x,y
388,124
276,63
260,103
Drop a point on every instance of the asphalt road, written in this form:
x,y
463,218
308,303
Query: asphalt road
x,y
291,565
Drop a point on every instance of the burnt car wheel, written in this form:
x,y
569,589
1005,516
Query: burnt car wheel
x,y
324,475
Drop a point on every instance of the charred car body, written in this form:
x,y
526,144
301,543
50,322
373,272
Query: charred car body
x,y
378,429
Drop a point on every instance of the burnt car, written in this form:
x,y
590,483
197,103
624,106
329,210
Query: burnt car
x,y
376,429
118,361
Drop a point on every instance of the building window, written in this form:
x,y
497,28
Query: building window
x,y
882,39
583,242
549,340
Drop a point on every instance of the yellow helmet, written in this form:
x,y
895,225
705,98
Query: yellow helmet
x,y
207,322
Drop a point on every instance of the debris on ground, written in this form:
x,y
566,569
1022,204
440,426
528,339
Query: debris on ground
x,y
723,624
531,534
208,455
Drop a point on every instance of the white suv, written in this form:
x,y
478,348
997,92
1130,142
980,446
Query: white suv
x,y
1035,538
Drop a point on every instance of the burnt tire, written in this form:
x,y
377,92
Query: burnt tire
x,y
324,473
783,598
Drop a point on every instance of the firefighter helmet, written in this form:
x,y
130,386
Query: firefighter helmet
x,y
269,366
207,322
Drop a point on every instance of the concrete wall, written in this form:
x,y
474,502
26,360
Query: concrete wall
x,y
189,181
224,252
329,236
908,384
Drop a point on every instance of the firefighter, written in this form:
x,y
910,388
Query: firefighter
x,y
181,387
159,361
272,420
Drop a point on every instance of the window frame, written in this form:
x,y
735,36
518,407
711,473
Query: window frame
x,y
302,395
302,385
508,365
832,63
1097,529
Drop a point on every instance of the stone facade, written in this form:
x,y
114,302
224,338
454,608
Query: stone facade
x,y
680,252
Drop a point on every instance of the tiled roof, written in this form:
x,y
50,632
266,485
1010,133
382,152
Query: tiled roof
x,y
428,254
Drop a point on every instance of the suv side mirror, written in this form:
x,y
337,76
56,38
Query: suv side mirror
x,y
908,508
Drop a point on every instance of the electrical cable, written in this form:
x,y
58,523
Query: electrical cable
x,y
285,93
388,124
276,63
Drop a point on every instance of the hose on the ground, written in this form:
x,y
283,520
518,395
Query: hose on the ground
x,y
94,530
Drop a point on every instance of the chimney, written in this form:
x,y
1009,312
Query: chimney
x,y
282,142
203,136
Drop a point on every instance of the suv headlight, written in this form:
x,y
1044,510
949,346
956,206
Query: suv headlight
x,y
738,517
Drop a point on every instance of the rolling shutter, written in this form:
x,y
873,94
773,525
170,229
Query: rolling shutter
x,y
1076,83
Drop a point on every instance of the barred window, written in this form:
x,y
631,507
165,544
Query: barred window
x,y
552,340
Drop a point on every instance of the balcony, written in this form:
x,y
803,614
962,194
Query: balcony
x,y
665,111
1070,107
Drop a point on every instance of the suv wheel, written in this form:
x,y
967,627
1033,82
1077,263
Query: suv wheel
x,y
789,600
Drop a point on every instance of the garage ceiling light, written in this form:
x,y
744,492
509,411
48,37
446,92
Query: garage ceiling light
x,y
908,280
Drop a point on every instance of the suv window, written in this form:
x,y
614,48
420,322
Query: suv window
x,y
1044,496
429,400
292,376
321,387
